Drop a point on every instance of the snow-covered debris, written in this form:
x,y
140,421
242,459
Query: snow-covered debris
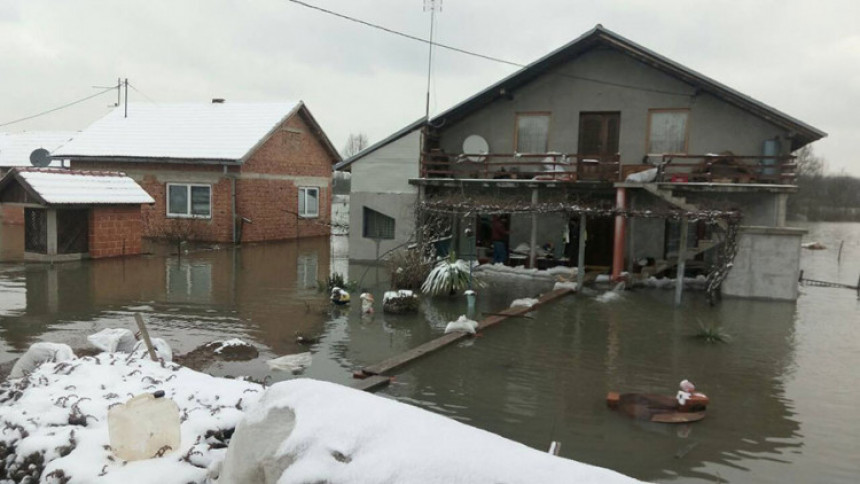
x,y
565,285
463,325
292,363
113,339
56,420
161,347
398,302
309,431
389,295
501,271
221,346
525,302
39,353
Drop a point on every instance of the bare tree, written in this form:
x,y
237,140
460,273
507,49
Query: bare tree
x,y
354,144
809,165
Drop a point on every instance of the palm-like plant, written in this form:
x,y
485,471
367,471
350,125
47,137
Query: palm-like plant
x,y
449,276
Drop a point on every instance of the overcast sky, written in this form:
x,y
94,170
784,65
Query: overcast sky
x,y
801,57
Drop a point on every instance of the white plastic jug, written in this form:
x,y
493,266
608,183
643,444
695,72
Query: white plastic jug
x,y
146,426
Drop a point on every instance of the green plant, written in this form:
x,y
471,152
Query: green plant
x,y
711,334
336,280
449,276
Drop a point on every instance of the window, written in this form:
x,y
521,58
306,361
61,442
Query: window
x,y
186,200
667,131
532,133
598,135
309,202
377,225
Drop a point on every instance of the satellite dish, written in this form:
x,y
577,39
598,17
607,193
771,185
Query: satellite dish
x,y
476,145
39,157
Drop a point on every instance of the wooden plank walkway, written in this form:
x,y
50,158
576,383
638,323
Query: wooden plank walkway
x,y
387,366
371,383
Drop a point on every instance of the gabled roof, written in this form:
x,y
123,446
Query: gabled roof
x,y
15,148
71,187
600,36
213,132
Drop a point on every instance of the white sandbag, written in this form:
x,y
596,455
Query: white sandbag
x,y
462,324
40,353
525,302
292,363
646,176
113,340
162,349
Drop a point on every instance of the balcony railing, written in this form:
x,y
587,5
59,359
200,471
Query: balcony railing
x,y
713,168
528,166
708,168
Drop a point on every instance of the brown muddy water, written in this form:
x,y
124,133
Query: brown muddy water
x,y
784,389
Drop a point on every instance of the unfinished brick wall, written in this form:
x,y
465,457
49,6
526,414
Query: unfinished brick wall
x,y
115,230
12,215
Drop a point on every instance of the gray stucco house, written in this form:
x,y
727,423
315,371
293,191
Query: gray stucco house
x,y
613,130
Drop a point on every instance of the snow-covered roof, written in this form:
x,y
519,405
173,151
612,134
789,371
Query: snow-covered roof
x,y
15,148
192,131
53,186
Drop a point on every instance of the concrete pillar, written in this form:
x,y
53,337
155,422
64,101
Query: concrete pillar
x,y
580,268
682,261
533,241
618,245
52,231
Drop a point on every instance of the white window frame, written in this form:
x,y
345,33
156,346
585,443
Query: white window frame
x,y
188,187
306,213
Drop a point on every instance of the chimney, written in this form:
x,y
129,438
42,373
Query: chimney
x,y
217,100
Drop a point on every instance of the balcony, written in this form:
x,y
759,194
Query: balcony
x,y
558,167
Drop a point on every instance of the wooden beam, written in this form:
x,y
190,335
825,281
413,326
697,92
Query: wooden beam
x,y
682,261
580,267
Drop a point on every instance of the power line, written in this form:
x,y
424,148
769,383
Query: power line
x,y
64,106
141,93
476,54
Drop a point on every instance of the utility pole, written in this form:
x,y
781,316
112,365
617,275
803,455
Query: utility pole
x,y
430,5
126,97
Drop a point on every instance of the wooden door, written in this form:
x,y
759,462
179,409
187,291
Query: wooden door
x,y
598,135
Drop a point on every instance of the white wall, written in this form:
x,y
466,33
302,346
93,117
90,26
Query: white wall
x,y
767,265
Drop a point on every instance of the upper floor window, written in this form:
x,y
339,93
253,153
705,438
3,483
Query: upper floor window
x,y
667,131
189,200
532,132
309,202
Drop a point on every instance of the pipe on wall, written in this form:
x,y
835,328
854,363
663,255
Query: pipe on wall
x,y
620,225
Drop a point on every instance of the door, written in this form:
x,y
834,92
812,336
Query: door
x,y
598,135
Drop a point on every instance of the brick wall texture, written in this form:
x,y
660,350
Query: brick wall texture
x,y
267,189
12,215
115,231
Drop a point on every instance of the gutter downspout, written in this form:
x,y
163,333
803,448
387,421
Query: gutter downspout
x,y
232,203
618,243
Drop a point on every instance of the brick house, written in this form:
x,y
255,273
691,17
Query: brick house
x,y
219,172
72,214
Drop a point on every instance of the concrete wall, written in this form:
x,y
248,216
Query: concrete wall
x,y
767,264
380,181
758,208
115,231
714,126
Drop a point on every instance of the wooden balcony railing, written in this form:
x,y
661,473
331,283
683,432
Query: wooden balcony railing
x,y
713,168
531,166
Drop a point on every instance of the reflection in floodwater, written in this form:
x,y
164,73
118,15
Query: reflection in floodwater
x,y
783,389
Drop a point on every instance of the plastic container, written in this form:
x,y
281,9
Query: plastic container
x,y
146,426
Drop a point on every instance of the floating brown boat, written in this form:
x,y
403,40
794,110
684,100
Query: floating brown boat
x,y
688,406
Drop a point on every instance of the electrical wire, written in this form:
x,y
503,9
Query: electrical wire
x,y
141,93
64,106
476,54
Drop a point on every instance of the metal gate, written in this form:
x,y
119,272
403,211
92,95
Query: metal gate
x,y
36,230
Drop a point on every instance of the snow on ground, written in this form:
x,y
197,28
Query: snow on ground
x,y
310,431
58,415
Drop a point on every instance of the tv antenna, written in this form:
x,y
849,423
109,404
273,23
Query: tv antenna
x,y
431,6
118,87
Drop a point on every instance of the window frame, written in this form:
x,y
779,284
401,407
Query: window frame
x,y
364,232
532,114
305,190
188,213
651,112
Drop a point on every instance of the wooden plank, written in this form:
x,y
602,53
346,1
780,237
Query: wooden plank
x,y
371,383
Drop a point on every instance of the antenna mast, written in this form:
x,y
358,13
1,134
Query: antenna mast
x,y
430,5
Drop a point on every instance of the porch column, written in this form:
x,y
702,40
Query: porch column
x,y
533,241
618,246
52,231
580,267
682,261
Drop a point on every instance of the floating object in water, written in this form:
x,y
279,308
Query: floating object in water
x,y
292,363
686,406
339,296
366,303
612,295
144,427
399,302
462,324
813,246
306,340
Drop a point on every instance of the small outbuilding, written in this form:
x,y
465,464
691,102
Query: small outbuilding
x,y
72,214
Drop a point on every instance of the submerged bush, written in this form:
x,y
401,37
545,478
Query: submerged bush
x,y
449,276
711,334
336,280
407,269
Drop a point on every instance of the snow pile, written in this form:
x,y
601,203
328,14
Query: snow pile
x,y
56,420
525,302
113,339
222,345
310,431
39,353
389,295
462,325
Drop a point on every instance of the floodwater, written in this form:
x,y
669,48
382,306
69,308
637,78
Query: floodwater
x,y
783,389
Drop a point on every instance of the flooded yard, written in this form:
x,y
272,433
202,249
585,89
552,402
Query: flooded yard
x,y
783,389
